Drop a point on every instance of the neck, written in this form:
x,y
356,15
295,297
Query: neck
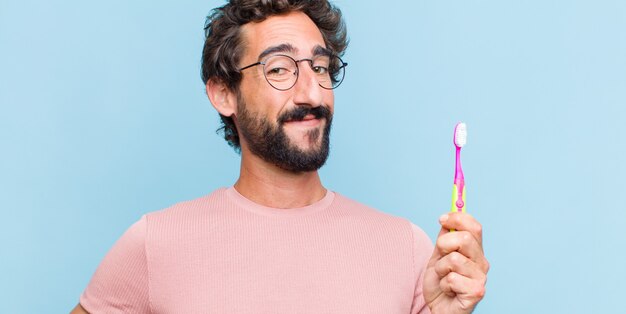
x,y
271,186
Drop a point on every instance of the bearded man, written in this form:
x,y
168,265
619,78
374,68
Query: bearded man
x,y
277,241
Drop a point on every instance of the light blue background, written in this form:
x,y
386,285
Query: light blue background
x,y
104,118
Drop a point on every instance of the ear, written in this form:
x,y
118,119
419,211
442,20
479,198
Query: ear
x,y
221,97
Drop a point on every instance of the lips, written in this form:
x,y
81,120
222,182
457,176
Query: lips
x,y
307,121
308,117
306,114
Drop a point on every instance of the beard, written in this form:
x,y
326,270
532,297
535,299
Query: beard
x,y
270,142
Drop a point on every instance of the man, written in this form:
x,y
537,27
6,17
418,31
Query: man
x,y
278,241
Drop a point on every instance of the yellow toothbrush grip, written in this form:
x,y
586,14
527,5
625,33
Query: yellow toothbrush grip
x,y
455,198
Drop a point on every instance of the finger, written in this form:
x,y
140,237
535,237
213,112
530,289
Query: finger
x,y
436,253
460,264
464,243
462,222
463,287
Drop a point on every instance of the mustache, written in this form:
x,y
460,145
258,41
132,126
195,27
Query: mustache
x,y
299,112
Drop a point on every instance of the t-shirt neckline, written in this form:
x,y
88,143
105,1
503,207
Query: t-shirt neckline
x,y
251,206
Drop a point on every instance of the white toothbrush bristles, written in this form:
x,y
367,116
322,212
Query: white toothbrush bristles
x,y
460,135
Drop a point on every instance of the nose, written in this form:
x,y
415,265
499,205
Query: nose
x,y
307,90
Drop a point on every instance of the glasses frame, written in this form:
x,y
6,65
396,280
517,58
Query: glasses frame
x,y
297,62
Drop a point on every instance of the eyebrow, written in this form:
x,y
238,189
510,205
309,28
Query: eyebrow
x,y
317,50
321,51
275,49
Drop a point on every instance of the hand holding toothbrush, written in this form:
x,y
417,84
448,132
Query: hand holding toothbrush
x,y
456,274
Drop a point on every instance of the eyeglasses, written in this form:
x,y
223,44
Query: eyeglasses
x,y
281,71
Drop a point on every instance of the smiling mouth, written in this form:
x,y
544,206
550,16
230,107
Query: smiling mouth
x,y
308,120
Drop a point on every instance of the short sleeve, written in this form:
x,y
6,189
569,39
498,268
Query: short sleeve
x,y
422,251
120,284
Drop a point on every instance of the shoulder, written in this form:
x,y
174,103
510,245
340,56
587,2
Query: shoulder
x,y
189,208
350,205
374,215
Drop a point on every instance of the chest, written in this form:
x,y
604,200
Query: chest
x,y
282,269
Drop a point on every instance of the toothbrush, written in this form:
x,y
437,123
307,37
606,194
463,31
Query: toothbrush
x,y
458,191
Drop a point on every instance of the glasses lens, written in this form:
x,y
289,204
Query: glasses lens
x,y
281,72
330,71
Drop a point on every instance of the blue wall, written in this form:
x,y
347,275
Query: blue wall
x,y
103,118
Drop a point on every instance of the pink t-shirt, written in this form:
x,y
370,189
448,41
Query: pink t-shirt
x,y
223,253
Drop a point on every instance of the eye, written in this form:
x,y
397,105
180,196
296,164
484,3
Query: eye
x,y
320,65
320,70
277,71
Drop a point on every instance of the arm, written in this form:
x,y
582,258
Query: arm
x,y
120,283
79,310
422,250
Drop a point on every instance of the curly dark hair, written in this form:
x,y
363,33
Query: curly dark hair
x,y
223,44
